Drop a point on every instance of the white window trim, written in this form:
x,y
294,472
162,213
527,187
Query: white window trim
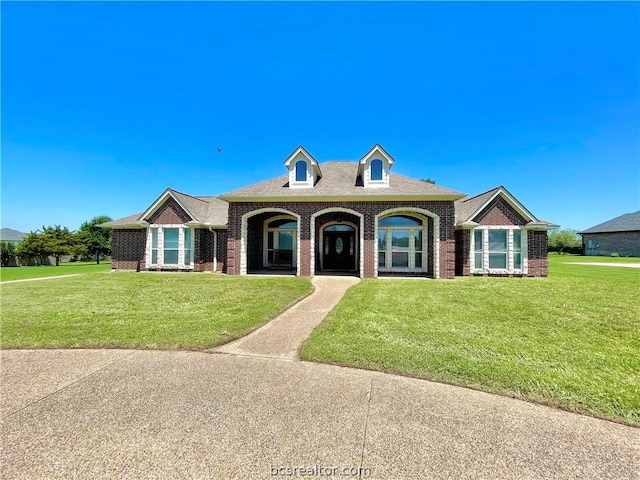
x,y
309,181
510,270
160,264
265,238
389,247
368,182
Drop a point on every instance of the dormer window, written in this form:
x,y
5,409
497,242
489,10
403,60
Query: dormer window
x,y
304,170
301,171
374,168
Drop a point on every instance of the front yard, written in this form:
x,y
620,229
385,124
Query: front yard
x,y
571,341
141,310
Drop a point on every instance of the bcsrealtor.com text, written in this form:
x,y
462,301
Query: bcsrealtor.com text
x,y
320,471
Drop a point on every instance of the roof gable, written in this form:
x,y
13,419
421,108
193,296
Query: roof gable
x,y
301,153
468,210
377,151
162,200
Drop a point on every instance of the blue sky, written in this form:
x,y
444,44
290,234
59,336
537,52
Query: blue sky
x,y
104,105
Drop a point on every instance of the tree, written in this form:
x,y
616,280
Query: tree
x,y
429,180
559,239
32,247
8,250
95,239
59,241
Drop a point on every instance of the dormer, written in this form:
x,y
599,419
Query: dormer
x,y
304,170
374,168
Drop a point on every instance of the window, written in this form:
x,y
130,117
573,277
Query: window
x,y
497,249
301,171
187,246
170,246
376,170
281,233
400,243
517,249
504,253
154,246
478,248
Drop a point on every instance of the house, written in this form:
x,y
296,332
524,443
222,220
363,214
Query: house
x,y
9,235
338,216
620,235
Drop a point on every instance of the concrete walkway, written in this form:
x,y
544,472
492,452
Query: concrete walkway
x,y
283,336
37,279
149,414
604,264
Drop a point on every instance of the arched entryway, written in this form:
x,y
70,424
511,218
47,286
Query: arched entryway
x,y
270,241
337,241
407,242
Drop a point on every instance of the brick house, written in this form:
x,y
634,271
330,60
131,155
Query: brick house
x,y
619,235
336,217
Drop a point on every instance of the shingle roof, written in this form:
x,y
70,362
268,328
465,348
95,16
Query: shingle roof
x,y
466,208
340,179
207,210
624,223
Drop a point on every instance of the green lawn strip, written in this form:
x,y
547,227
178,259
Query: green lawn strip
x,y
22,273
140,310
570,341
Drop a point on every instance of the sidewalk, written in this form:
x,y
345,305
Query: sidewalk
x,y
283,336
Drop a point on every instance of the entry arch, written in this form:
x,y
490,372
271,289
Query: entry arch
x,y
244,231
416,212
359,234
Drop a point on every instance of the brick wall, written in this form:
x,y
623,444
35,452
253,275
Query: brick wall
x,y
499,212
463,252
537,246
443,209
170,213
622,243
128,249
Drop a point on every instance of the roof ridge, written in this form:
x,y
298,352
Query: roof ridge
x,y
173,190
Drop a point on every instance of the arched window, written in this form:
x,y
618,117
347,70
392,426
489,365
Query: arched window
x,y
301,171
400,243
376,170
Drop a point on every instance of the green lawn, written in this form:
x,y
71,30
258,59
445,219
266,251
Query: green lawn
x,y
20,273
141,310
571,340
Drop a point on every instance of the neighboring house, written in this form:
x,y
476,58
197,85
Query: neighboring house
x,y
11,236
620,235
352,217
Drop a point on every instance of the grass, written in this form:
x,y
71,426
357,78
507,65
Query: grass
x,y
22,273
140,310
571,340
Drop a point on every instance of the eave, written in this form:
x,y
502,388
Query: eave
x,y
342,198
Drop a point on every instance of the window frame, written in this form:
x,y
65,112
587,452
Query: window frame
x,y
411,251
156,247
276,238
512,251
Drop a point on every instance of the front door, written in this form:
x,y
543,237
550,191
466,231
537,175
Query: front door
x,y
339,250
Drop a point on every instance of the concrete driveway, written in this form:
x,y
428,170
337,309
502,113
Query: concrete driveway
x,y
153,414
